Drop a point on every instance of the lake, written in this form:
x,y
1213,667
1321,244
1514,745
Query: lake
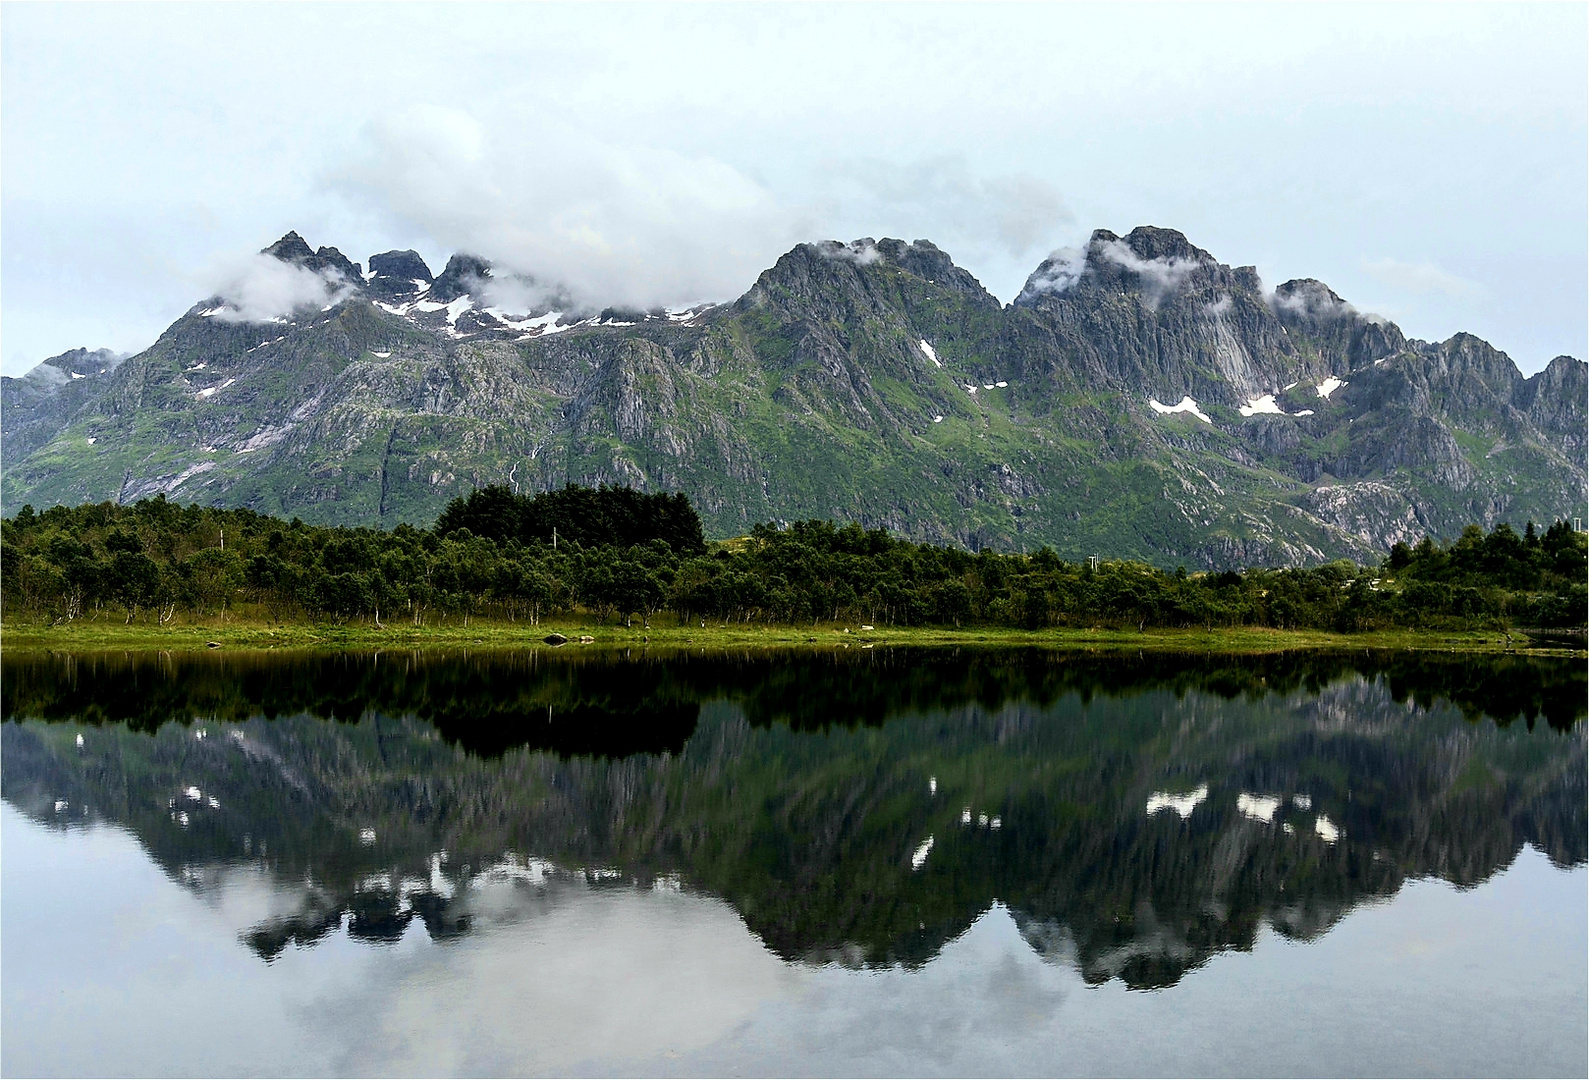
x,y
889,861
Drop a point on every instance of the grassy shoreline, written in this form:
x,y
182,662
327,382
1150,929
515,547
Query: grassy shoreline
x,y
243,634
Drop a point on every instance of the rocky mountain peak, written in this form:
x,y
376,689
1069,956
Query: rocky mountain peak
x,y
398,273
1151,242
84,362
329,258
835,269
403,265
1310,296
462,274
292,248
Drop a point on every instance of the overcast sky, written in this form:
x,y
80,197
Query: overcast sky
x,y
1428,161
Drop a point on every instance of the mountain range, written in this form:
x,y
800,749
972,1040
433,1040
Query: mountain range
x,y
1137,399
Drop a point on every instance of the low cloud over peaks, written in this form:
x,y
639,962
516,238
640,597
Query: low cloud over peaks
x,y
609,224
1160,276
262,288
1014,215
1058,272
862,252
607,219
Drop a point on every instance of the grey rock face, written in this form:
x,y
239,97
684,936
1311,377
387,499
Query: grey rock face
x,y
1152,314
36,406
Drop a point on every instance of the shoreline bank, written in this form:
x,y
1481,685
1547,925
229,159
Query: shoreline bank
x,y
247,635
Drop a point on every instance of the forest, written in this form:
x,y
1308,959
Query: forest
x,y
618,554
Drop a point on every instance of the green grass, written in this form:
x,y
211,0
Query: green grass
x,y
666,632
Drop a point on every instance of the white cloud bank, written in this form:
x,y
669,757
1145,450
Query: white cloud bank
x,y
262,288
612,224
606,219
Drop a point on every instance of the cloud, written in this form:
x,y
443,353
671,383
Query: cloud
x,y
940,197
1310,299
1160,277
518,294
1220,306
1422,278
609,223
861,252
262,288
1062,269
1057,273
609,220
1313,299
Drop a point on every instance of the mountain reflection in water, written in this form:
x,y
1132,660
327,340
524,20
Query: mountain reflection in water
x,y
1134,814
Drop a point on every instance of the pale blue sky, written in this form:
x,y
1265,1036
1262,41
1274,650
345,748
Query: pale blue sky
x,y
1427,161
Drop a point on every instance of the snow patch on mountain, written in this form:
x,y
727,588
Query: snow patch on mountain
x,y
1263,404
1186,405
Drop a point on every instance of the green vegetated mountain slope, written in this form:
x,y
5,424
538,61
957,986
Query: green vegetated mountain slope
x,y
1135,817
1137,399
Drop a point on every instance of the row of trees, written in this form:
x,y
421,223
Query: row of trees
x,y
156,558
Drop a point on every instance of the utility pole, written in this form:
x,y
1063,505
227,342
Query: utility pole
x,y
223,539
554,537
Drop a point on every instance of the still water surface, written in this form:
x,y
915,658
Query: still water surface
x,y
904,861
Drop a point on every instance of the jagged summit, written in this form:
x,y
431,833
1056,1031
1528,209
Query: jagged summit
x,y
292,248
400,265
1310,296
462,276
1152,242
